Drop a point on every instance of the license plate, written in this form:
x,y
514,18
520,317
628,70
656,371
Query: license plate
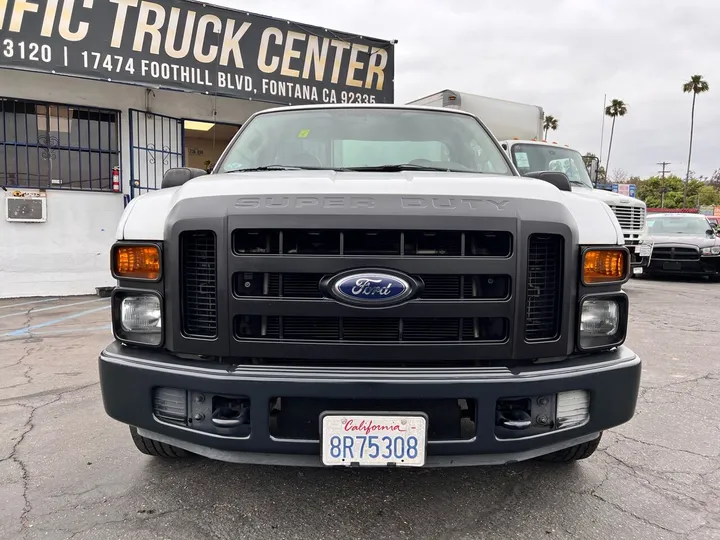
x,y
671,266
645,250
637,271
374,440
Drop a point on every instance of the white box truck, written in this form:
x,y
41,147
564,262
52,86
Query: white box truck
x,y
519,128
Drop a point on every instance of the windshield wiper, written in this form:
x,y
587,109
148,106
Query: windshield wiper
x,y
401,167
277,168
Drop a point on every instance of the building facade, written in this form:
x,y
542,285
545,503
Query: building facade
x,y
76,145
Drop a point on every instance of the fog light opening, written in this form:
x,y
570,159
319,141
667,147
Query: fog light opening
x,y
170,405
573,408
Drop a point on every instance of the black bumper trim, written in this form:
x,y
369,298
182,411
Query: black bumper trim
x,y
303,460
128,376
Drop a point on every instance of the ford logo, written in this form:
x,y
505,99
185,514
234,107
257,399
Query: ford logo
x,y
372,288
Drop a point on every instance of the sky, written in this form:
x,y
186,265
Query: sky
x,y
563,55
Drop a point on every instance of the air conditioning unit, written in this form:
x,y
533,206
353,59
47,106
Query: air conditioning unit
x,y
26,209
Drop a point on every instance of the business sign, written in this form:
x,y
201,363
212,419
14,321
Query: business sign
x,y
189,46
632,190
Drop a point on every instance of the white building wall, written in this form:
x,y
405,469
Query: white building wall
x,y
69,254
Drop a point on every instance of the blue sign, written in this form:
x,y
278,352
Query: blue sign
x,y
372,288
633,188
615,188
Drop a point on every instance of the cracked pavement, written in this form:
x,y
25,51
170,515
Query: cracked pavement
x,y
68,471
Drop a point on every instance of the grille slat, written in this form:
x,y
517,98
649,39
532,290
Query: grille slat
x,y
630,217
371,329
412,243
199,283
437,286
544,287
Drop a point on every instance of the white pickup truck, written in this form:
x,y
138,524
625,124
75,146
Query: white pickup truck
x,y
519,128
370,286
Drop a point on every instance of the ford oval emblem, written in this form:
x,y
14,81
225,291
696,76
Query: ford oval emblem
x,y
372,288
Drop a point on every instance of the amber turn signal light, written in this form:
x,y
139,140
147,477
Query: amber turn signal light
x,y
604,266
137,262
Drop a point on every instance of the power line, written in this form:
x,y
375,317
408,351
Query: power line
x,y
664,165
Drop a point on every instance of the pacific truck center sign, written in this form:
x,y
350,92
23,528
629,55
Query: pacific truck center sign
x,y
183,45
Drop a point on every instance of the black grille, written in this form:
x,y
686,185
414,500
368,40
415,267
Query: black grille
x,y
363,242
437,286
544,287
199,283
675,253
372,329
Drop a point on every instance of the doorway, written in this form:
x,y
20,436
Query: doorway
x,y
159,143
205,142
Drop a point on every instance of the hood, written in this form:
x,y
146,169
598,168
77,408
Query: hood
x,y
699,240
144,217
607,197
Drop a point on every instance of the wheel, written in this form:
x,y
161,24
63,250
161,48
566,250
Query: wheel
x,y
574,453
153,448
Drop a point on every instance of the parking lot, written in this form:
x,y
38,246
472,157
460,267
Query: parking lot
x,y
68,471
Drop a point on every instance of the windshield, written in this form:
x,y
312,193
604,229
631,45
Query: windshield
x,y
357,138
540,157
677,225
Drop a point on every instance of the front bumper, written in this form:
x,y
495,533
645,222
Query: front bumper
x,y
705,266
128,377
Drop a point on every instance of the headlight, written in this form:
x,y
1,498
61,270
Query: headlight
x,y
602,322
715,250
137,318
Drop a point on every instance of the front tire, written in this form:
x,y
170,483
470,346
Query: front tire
x,y
574,453
153,448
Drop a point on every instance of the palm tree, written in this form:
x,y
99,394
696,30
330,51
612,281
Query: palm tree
x,y
550,123
616,108
696,85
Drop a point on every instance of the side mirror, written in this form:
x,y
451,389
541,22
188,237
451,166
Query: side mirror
x,y
558,179
177,177
711,233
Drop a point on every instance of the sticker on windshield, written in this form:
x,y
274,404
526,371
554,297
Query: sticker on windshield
x,y
521,160
303,134
233,166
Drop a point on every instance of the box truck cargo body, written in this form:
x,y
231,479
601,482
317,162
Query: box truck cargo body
x,y
505,119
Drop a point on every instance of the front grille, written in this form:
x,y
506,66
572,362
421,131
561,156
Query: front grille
x,y
676,253
307,285
268,300
371,329
630,217
544,287
199,283
374,243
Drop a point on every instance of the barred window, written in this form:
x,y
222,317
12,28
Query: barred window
x,y
48,145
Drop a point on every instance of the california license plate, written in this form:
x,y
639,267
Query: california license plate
x,y
645,250
374,440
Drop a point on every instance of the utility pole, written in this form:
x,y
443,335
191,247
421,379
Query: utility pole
x,y
602,134
664,165
663,189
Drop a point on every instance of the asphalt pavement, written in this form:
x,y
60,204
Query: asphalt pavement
x,y
67,471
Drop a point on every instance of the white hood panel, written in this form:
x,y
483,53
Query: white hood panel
x,y
144,218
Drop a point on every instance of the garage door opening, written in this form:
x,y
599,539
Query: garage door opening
x,y
205,141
